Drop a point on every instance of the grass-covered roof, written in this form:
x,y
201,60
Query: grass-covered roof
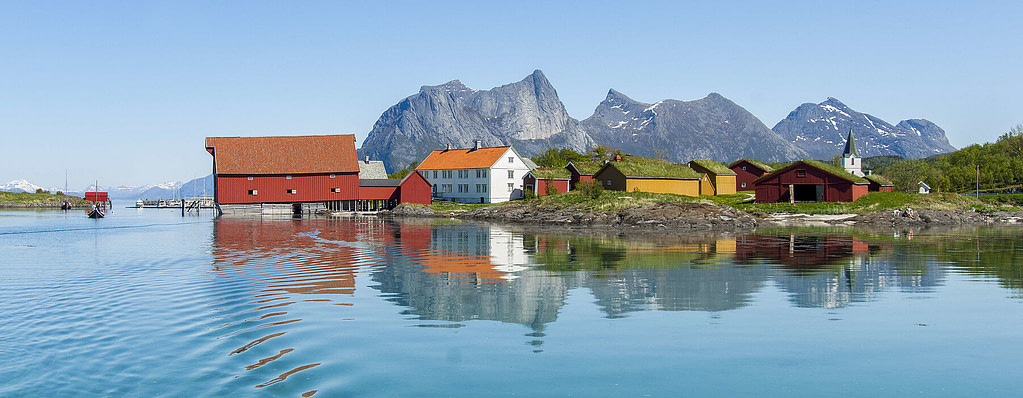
x,y
550,173
838,171
766,167
586,167
633,166
879,179
714,167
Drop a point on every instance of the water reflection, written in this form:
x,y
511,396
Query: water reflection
x,y
448,274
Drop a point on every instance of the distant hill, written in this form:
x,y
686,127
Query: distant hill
x,y
527,114
167,190
821,130
709,128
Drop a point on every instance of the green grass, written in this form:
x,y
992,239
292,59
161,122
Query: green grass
x,y
874,201
23,198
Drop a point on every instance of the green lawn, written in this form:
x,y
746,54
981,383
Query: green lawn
x,y
23,198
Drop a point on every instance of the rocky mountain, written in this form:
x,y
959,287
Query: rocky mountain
x,y
709,128
526,114
821,129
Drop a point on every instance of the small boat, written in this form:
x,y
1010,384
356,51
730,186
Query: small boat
x,y
96,213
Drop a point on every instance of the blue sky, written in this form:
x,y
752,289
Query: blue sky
x,y
125,92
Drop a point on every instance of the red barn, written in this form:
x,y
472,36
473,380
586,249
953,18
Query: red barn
x,y
581,171
538,180
809,181
747,171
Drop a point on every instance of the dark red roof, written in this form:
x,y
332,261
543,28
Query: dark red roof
x,y
284,155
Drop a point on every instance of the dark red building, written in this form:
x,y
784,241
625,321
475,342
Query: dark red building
x,y
294,174
809,181
539,179
581,171
747,171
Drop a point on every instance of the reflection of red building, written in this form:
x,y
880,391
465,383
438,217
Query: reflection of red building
x,y
800,251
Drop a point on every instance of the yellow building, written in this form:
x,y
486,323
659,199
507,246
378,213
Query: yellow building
x,y
634,174
717,179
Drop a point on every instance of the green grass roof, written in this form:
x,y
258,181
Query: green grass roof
x,y
838,171
757,163
551,173
879,179
633,166
713,167
586,167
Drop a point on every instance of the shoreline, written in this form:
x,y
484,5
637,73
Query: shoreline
x,y
692,217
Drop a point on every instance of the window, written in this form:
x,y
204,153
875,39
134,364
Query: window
x,y
511,159
511,173
253,192
484,173
292,191
335,190
800,173
331,176
288,177
511,186
744,185
479,173
446,188
435,174
484,187
250,178
744,167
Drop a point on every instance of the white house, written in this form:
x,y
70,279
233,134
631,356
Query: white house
x,y
477,174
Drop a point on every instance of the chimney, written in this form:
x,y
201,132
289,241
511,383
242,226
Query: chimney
x,y
477,146
367,159
448,148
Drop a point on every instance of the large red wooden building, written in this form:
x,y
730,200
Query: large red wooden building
x,y
809,181
299,173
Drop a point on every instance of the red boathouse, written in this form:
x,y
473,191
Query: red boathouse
x,y
294,175
809,181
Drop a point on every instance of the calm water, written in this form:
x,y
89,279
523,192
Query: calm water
x,y
147,303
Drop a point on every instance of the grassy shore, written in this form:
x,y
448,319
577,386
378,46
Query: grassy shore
x,y
40,200
615,200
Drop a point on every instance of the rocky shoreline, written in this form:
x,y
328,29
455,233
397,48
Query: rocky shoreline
x,y
709,217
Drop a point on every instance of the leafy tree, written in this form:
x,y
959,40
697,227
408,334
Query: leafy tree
x,y
557,158
404,172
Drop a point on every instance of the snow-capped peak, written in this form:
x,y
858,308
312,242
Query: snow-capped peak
x,y
20,186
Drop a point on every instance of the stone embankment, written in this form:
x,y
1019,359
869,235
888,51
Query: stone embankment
x,y
693,216
711,217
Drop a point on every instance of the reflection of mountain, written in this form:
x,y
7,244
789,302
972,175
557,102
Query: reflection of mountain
x,y
464,272
638,275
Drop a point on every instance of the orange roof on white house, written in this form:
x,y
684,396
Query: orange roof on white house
x,y
444,159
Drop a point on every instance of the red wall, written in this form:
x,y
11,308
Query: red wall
x,y
378,193
415,189
751,173
776,188
273,189
560,185
577,178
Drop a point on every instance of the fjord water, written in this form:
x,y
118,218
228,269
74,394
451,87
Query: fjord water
x,y
149,303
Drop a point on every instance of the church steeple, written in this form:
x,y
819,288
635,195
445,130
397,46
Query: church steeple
x,y
851,160
850,146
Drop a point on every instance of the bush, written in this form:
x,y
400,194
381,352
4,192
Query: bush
x,y
591,189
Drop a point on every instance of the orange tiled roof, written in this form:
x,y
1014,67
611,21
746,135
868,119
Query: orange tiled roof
x,y
481,158
284,155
